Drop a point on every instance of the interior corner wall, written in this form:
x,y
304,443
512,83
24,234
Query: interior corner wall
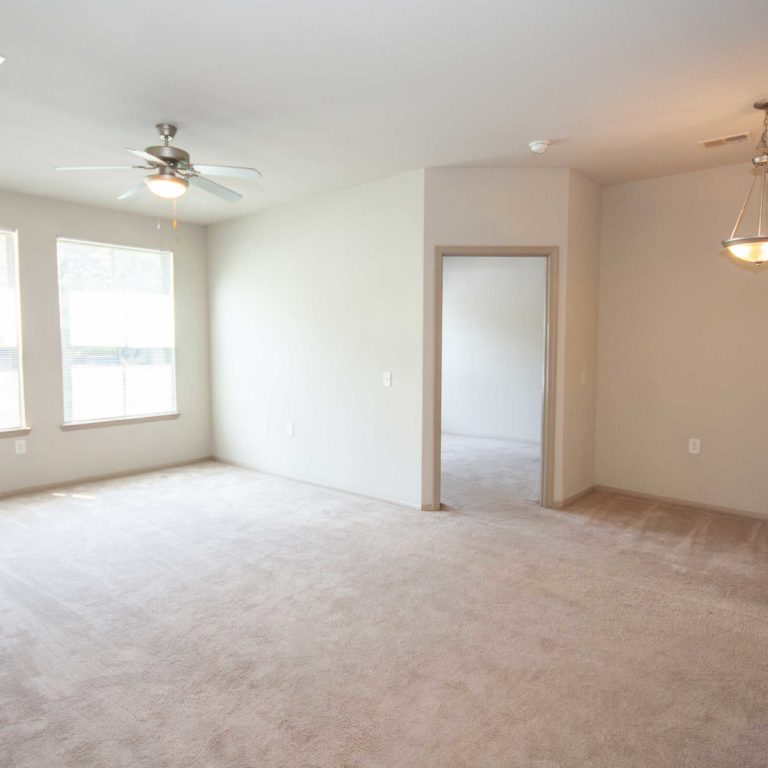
x,y
579,321
524,207
56,456
311,302
682,344
494,325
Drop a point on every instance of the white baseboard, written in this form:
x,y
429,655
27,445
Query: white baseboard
x,y
681,502
573,498
338,489
494,437
104,476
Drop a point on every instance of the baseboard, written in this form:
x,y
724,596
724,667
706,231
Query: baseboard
x,y
671,500
574,498
304,481
106,476
493,437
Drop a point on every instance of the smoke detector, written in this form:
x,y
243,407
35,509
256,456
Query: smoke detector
x,y
540,146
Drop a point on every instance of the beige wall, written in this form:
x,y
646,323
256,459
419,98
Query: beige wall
x,y
524,207
494,313
682,344
579,321
310,303
57,456
313,301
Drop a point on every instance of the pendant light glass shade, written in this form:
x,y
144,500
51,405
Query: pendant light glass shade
x,y
752,249
752,245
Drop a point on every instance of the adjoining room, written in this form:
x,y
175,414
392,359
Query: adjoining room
x,y
494,337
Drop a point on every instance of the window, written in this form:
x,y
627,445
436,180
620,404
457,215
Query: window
x,y
117,334
11,389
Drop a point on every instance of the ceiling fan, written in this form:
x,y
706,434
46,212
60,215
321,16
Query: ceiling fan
x,y
173,171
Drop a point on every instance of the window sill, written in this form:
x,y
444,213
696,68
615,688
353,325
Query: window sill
x,y
115,422
16,432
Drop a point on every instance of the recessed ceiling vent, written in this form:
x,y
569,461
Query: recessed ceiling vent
x,y
725,140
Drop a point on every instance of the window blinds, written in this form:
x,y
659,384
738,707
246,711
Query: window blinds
x,y
117,331
11,390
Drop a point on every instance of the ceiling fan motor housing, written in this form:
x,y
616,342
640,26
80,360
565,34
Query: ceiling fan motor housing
x,y
171,155
175,157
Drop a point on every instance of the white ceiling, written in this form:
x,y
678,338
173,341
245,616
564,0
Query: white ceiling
x,y
322,94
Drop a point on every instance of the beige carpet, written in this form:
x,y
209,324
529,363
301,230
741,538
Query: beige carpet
x,y
210,617
486,474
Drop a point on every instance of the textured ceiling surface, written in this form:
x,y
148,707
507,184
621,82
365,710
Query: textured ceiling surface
x,y
322,95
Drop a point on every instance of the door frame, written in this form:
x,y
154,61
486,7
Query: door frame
x,y
551,255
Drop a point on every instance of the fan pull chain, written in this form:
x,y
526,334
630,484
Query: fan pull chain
x,y
174,216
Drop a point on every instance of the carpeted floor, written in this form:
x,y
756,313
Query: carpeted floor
x,y
485,474
214,617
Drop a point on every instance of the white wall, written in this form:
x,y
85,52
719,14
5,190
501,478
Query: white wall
x,y
526,207
578,323
682,344
57,456
493,346
310,303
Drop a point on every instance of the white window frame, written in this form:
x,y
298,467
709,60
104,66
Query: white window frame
x,y
23,427
128,419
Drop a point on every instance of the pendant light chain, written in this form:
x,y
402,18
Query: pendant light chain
x,y
762,147
752,247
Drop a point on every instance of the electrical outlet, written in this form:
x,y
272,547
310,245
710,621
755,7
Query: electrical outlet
x,y
694,446
21,447
289,429
386,379
266,425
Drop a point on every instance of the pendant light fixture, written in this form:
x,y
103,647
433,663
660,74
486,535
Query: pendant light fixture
x,y
753,248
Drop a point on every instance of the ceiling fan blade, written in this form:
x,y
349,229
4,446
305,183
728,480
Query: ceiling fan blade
x,y
147,156
215,189
133,191
228,170
95,167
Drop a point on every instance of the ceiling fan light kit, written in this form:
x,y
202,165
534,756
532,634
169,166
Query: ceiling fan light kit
x,y
173,172
166,184
753,247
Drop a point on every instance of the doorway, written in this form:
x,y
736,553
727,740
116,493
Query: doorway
x,y
494,366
